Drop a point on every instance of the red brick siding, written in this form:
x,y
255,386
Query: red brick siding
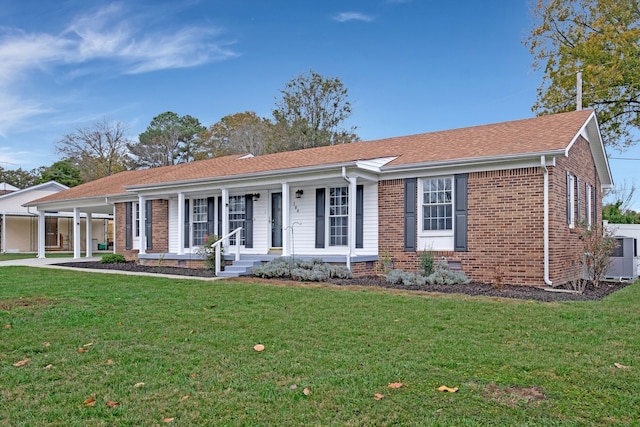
x,y
159,235
505,223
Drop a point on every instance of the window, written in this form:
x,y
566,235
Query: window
x,y
338,216
578,201
437,204
570,200
588,199
199,210
136,222
237,214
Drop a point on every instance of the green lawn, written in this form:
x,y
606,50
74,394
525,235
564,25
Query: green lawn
x,y
23,255
183,350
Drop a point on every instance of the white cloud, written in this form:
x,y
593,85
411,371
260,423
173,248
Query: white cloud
x,y
352,16
108,34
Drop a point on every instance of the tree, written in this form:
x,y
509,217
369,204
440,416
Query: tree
x,y
235,133
310,114
63,172
97,151
19,178
601,39
168,140
616,214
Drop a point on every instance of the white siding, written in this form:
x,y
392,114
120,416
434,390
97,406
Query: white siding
x,y
173,225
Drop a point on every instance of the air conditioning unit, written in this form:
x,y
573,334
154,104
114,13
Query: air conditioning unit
x,y
624,260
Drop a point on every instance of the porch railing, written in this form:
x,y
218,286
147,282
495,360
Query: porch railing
x,y
216,248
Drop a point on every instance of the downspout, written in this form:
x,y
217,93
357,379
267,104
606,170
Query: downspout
x,y
346,178
545,238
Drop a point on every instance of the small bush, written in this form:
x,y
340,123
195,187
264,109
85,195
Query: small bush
x,y
314,270
441,275
112,259
426,262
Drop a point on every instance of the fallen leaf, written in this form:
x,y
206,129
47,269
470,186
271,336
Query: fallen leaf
x,y
306,391
138,385
7,326
168,420
258,347
378,396
46,344
293,386
112,404
395,385
21,363
88,344
48,366
185,397
447,389
192,376
81,350
109,361
119,323
89,402
621,366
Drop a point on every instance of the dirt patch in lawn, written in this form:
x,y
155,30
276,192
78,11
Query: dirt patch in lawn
x,y
10,304
514,396
473,289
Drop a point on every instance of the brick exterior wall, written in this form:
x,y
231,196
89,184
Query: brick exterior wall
x,y
159,234
505,223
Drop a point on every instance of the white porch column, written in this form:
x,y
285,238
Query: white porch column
x,y
41,234
225,218
286,220
88,235
3,237
115,224
180,223
143,224
76,233
353,189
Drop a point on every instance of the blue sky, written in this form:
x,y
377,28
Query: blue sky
x,y
410,66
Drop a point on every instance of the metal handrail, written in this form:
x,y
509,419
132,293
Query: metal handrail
x,y
216,247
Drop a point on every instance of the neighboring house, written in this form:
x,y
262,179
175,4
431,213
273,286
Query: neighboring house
x,y
19,224
627,250
502,202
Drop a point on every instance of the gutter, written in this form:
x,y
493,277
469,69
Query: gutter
x,y
545,237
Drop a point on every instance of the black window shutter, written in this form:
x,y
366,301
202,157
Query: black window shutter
x,y
219,231
186,224
211,206
248,221
461,216
410,219
127,224
148,213
320,224
359,216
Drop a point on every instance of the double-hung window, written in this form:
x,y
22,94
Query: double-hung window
x,y
136,217
200,216
338,216
237,215
588,200
571,200
437,204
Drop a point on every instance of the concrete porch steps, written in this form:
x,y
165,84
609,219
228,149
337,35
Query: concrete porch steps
x,y
239,268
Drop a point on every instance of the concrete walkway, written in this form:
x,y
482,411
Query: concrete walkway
x,y
53,263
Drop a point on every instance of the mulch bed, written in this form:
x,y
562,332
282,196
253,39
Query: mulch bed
x,y
473,289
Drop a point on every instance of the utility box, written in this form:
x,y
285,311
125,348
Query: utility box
x,y
624,259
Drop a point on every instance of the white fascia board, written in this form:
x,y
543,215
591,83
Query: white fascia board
x,y
478,164
44,185
590,131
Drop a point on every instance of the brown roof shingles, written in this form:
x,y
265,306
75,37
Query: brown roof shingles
x,y
520,137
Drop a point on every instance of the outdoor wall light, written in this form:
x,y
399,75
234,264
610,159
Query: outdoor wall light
x,y
256,196
299,194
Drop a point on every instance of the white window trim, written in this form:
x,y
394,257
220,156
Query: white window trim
x,y
572,201
430,233
588,202
135,213
328,217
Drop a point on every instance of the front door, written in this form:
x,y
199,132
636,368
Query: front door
x,y
276,220
50,232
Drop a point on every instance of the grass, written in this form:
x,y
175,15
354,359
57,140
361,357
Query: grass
x,y
7,256
191,343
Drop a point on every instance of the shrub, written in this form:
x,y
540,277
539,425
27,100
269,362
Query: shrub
x,y
208,252
441,275
112,259
314,270
426,262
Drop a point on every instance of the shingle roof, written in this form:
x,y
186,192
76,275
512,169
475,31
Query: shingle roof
x,y
529,136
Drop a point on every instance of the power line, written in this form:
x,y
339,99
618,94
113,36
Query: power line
x,y
624,158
